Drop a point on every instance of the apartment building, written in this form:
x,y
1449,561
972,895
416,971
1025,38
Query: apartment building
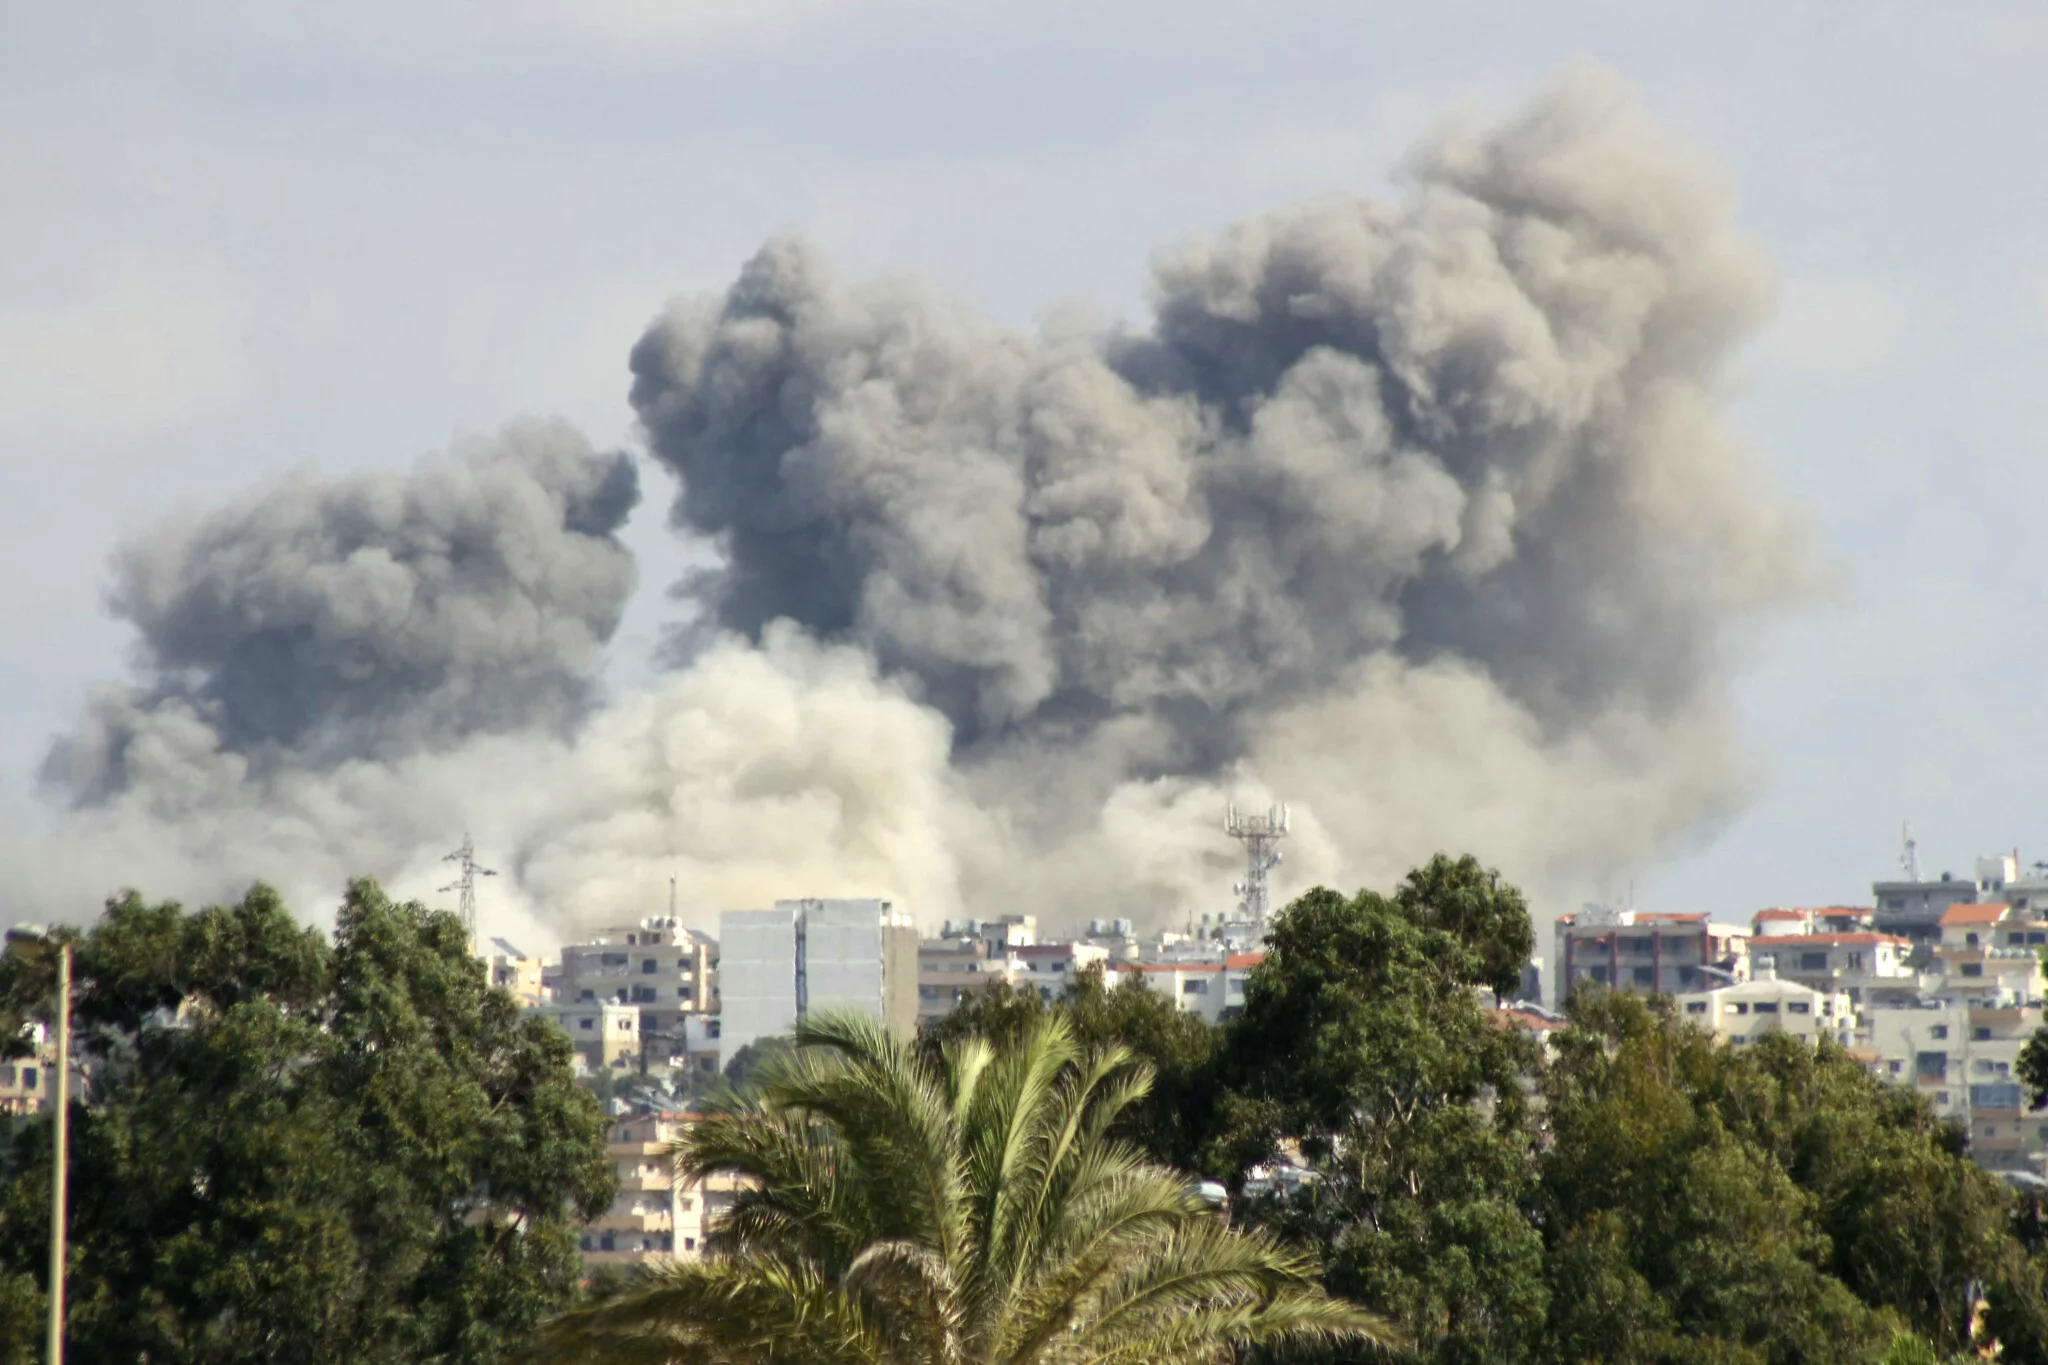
x,y
1214,989
1647,951
951,968
1873,969
25,1083
1960,1053
525,977
807,956
1767,1003
655,1216
604,1033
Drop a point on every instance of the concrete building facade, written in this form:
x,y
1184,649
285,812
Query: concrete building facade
x,y
1666,954
809,956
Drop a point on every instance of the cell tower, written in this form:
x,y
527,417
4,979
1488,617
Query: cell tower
x,y
1909,855
465,858
1261,836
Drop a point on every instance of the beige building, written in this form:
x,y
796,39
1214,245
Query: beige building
x,y
1765,1004
605,1035
25,1083
525,977
1872,967
655,1217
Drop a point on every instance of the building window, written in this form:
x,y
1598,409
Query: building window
x,y
1739,1039
1696,1007
689,1243
1798,1007
1856,962
583,1024
1970,939
1980,1034
1938,1031
649,967
28,1078
1194,987
1766,1007
1739,1007
1896,1066
1600,976
1813,962
1973,969
1931,1066
604,1243
1645,976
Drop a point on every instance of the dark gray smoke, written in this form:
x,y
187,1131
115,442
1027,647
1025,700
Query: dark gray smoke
x,y
1422,516
1472,433
372,617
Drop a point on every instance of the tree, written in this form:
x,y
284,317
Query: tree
x,y
1675,1233
1170,1122
752,1058
304,1153
972,1209
1364,1051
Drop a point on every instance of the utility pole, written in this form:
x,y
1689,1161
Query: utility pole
x,y
60,1157
59,1167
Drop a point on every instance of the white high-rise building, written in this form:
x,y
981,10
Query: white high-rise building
x,y
810,956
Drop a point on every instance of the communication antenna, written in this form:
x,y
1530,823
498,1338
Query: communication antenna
x,y
1909,852
465,857
1261,836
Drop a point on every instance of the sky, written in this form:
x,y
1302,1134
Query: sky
x,y
241,238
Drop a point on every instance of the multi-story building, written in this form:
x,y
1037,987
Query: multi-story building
x,y
1913,909
1992,946
1767,1003
1214,989
525,977
807,956
25,1082
1871,967
951,968
1647,951
655,1216
1961,1053
1048,967
604,1033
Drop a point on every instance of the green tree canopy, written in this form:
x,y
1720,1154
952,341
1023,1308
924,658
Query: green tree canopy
x,y
1364,1051
973,1209
298,1152
1768,1204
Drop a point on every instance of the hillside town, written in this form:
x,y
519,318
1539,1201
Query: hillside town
x,y
1936,984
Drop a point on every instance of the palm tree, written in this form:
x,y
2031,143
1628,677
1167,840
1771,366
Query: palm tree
x,y
969,1212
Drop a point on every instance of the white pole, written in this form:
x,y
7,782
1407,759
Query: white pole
x,y
55,1353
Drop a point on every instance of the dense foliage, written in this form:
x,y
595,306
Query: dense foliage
x,y
298,1151
306,1149
1631,1193
968,1209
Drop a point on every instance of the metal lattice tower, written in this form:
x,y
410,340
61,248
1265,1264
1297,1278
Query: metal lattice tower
x,y
465,885
1261,836
1909,855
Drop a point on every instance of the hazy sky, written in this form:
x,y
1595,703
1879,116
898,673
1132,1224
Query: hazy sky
x,y
240,237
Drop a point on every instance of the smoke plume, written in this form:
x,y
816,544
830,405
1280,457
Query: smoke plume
x,y
1421,516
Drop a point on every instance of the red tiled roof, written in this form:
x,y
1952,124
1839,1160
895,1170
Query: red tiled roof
x,y
1783,914
1244,959
1974,912
1825,940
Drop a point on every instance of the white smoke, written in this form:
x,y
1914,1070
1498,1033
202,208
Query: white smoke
x,y
1421,517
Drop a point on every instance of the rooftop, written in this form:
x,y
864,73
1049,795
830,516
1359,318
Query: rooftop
x,y
1974,912
1858,940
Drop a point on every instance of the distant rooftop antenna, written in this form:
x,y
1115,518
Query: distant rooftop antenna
x,y
1909,852
1261,836
465,857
